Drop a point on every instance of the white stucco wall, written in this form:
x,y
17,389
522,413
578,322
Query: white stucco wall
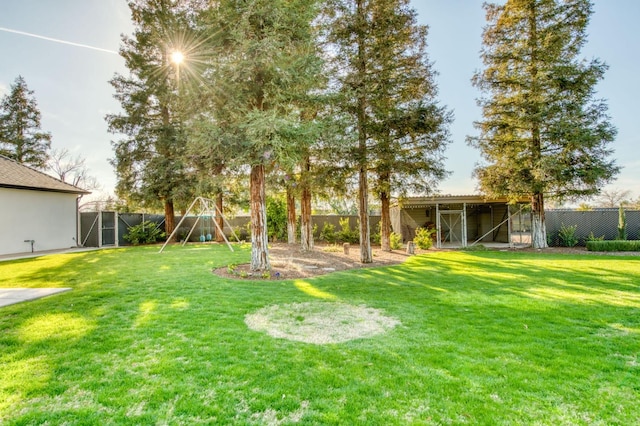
x,y
49,218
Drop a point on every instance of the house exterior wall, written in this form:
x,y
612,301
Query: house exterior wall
x,y
49,218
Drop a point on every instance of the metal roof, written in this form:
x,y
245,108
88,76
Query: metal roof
x,y
18,176
418,202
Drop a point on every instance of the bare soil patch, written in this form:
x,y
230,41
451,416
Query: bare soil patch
x,y
288,261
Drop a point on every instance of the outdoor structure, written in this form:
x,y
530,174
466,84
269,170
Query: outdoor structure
x,y
464,220
37,211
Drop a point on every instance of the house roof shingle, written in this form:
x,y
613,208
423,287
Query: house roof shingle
x,y
18,176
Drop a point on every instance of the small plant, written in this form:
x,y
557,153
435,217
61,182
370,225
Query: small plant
x,y
328,233
592,237
395,241
244,274
266,275
567,235
333,248
622,224
276,218
231,268
424,238
346,234
146,232
376,237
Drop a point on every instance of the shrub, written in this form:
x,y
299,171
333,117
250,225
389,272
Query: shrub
x,y
567,235
592,237
615,245
395,240
276,218
328,233
376,237
146,232
622,224
346,234
424,238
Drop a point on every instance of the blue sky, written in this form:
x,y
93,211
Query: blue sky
x,y
73,94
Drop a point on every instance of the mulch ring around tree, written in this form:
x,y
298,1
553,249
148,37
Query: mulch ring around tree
x,y
288,261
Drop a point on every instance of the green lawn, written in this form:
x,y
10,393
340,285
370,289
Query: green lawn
x,y
485,338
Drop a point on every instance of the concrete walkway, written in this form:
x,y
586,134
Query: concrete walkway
x,y
9,296
27,255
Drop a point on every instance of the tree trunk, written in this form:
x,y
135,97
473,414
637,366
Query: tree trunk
x,y
306,226
291,217
363,214
219,218
385,222
363,190
258,204
169,218
538,231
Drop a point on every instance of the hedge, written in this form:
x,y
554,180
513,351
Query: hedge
x,y
614,245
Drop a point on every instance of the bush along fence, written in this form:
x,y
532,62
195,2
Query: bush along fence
x,y
108,228
570,228
564,228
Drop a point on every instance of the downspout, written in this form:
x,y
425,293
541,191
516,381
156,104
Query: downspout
x,y
78,221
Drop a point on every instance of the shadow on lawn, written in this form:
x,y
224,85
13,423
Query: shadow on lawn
x,y
564,279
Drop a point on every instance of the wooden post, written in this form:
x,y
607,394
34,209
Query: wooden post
x,y
345,246
411,248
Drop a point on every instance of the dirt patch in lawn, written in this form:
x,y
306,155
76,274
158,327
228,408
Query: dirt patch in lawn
x,y
288,261
320,323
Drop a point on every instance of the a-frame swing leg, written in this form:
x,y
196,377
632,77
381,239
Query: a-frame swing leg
x,y
179,223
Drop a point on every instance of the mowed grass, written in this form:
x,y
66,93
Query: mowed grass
x,y
493,338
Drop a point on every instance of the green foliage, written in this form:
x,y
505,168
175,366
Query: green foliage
x,y
146,232
592,237
542,131
376,236
21,138
567,235
328,233
149,153
424,238
622,224
395,241
276,218
614,245
346,234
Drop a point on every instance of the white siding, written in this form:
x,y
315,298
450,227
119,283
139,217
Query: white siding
x,y
49,218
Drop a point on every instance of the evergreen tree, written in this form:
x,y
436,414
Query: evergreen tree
x,y
385,82
408,129
543,133
150,161
265,64
20,135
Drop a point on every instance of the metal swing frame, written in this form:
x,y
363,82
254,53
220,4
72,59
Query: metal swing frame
x,y
209,207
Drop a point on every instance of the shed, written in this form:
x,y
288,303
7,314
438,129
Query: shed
x,y
37,212
464,220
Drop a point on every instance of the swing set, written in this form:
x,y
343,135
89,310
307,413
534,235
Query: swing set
x,y
207,211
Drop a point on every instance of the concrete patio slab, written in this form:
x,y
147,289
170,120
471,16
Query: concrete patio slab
x,y
10,296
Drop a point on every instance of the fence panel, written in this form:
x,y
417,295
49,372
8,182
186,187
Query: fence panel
x,y
89,226
600,222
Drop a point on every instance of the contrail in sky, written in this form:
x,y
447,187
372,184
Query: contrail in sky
x,y
55,40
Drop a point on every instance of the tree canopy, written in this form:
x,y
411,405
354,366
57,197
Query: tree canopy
x,y
543,132
21,137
